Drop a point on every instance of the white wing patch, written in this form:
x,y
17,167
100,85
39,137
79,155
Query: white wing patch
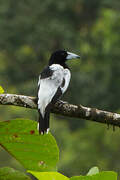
x,y
67,76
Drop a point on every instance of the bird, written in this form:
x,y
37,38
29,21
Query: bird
x,y
52,84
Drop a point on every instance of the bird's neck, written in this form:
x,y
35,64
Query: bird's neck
x,y
64,65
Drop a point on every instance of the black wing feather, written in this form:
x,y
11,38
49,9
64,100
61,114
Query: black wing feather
x,y
57,96
47,72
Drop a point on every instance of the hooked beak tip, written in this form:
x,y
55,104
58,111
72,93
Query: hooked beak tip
x,y
72,56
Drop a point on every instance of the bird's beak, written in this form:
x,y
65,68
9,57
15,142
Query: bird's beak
x,y
72,56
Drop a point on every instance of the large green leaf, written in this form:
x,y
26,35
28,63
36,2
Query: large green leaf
x,y
78,178
7,173
48,175
108,175
35,152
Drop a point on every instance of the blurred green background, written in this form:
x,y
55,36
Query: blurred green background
x,y
29,32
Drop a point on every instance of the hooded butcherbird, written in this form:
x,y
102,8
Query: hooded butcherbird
x,y
53,82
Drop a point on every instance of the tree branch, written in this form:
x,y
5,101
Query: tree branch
x,y
64,108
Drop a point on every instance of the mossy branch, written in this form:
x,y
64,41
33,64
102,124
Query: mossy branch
x,y
64,108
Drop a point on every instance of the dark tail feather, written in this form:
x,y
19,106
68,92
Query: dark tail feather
x,y
44,123
41,127
46,120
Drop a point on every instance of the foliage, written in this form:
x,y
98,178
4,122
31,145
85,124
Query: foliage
x,y
101,176
57,176
48,175
1,90
93,171
37,153
34,152
30,31
8,173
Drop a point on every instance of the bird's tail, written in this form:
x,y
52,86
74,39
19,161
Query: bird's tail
x,y
43,123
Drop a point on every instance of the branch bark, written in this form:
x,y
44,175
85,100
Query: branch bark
x,y
64,108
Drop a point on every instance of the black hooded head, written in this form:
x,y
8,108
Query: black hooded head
x,y
60,57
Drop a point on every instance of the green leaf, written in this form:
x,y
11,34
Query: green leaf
x,y
78,178
7,173
105,175
93,170
1,90
48,175
35,152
